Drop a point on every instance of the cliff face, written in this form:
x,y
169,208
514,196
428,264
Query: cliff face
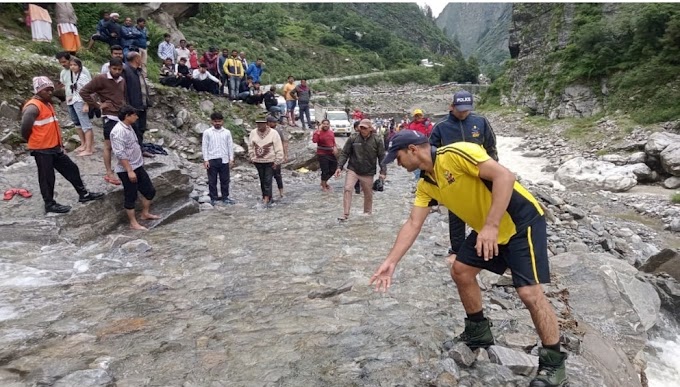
x,y
480,28
536,31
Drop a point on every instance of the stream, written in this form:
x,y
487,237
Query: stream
x,y
242,296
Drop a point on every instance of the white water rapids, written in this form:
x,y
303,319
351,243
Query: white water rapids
x,y
663,370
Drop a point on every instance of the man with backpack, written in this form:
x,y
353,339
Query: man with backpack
x,y
362,153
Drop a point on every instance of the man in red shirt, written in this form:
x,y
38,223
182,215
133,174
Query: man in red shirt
x,y
420,123
324,138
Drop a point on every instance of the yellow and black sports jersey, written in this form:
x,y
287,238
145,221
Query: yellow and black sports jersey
x,y
456,185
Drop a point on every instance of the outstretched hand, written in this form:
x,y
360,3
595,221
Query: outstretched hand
x,y
383,276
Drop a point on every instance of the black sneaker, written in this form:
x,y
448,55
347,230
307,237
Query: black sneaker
x,y
57,208
476,335
90,196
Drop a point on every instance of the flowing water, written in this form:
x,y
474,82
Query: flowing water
x,y
243,296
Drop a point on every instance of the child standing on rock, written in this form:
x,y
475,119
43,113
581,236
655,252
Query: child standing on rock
x,y
130,167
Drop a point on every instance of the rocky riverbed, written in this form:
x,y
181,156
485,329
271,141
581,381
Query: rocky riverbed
x,y
244,296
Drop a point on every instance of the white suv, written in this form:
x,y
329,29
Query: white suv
x,y
339,122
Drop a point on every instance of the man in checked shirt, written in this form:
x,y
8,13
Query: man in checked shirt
x,y
130,167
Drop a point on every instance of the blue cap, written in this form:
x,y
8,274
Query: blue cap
x,y
462,100
401,140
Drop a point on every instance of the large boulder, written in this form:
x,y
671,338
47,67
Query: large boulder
x,y
670,159
642,172
605,293
166,15
585,174
658,141
24,219
666,261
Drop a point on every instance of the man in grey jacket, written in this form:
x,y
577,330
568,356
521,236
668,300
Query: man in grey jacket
x,y
304,94
362,152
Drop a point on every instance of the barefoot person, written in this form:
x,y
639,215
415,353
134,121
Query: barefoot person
x,y
39,126
509,232
130,167
265,150
362,153
324,138
78,79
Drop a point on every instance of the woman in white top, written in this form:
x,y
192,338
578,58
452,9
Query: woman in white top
x,y
77,80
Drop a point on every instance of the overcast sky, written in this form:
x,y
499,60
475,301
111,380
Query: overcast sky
x,y
436,5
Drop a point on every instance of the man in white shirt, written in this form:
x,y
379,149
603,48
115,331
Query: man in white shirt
x,y
204,81
116,52
182,51
218,157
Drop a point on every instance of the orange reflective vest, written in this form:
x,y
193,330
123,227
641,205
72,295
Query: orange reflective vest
x,y
46,133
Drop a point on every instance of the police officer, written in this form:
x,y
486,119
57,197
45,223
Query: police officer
x,y
463,125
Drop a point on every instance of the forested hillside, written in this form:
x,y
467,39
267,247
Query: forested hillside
x,y
321,39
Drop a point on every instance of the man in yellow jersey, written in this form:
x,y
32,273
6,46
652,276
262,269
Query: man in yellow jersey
x,y
509,232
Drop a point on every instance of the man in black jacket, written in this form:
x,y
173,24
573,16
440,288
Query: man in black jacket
x,y
463,125
136,92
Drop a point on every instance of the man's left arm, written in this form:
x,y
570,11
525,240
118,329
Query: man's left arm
x,y
490,140
503,183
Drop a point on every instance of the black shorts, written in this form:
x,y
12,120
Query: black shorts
x,y
130,189
525,254
108,127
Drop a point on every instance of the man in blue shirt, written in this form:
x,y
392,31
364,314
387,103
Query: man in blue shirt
x,y
255,70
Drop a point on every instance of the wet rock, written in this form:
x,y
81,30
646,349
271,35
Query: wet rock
x,y
666,261
580,173
330,292
138,246
462,354
96,218
672,182
519,362
7,157
605,293
611,362
86,378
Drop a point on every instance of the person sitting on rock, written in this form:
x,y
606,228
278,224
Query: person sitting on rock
x,y
509,232
256,96
40,127
130,167
168,76
102,34
204,81
183,73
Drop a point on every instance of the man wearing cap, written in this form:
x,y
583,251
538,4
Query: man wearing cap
x,y
463,125
420,123
273,123
265,150
362,153
509,231
40,127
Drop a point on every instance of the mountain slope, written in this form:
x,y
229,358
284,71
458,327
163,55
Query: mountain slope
x,y
322,39
481,28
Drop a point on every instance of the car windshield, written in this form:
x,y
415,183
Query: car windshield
x,y
337,116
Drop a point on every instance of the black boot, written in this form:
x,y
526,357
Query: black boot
x,y
476,335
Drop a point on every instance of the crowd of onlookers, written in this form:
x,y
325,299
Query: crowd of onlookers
x,y
229,73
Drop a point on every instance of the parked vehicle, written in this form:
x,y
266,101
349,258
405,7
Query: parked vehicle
x,y
339,122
